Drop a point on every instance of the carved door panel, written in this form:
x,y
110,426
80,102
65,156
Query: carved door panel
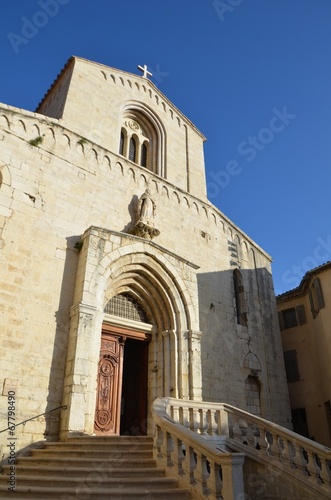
x,y
109,388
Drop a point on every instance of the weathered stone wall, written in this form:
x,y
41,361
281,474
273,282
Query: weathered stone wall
x,y
262,483
50,194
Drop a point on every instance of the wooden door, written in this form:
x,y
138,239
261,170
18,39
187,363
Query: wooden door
x,y
109,386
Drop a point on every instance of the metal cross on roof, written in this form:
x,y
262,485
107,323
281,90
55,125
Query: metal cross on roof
x,y
145,71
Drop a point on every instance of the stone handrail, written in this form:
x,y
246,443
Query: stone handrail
x,y
199,464
298,457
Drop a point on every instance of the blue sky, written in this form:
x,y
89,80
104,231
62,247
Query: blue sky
x,y
253,75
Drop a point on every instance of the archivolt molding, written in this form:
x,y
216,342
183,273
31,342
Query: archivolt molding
x,y
151,278
143,87
27,125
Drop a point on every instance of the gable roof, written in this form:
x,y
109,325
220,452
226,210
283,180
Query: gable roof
x,y
72,60
302,288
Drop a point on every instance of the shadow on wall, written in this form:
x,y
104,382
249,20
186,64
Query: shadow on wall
x,y
62,316
240,338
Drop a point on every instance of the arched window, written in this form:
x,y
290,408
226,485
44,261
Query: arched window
x,y
125,306
240,298
142,139
143,155
121,148
132,149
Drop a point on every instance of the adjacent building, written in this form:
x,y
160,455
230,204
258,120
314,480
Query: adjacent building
x,y
305,321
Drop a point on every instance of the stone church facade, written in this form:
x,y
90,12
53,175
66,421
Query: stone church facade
x,y
120,281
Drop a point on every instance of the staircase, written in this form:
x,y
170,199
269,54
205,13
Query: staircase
x,y
93,467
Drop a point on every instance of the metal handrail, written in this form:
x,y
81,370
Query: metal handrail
x,y
64,407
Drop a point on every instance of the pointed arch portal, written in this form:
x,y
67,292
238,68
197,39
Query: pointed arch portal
x,y
165,349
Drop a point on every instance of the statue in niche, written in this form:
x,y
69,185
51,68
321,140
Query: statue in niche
x,y
145,227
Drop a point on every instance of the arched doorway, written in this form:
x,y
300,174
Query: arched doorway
x,y
121,401
166,287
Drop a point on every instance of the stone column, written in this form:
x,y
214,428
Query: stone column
x,y
195,376
81,370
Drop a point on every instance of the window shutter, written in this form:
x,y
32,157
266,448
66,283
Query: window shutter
x,y
312,308
291,366
318,294
301,314
280,319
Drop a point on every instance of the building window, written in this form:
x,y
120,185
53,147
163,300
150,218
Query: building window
x,y
125,306
299,421
240,298
132,149
140,141
121,148
252,389
316,297
294,316
143,155
291,366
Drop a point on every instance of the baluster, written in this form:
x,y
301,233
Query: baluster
x,y
186,417
201,474
299,459
271,440
175,413
250,436
167,449
214,482
177,456
325,470
158,440
223,422
189,464
209,417
291,454
285,454
213,422
313,467
204,421
181,415
194,419
237,431
260,442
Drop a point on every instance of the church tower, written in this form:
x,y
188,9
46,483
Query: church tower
x,y
121,281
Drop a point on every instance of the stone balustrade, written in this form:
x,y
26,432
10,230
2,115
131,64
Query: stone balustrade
x,y
302,459
199,464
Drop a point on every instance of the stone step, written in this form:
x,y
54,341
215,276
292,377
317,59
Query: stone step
x,y
86,493
92,467
103,445
109,439
107,470
93,454
95,481
68,461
